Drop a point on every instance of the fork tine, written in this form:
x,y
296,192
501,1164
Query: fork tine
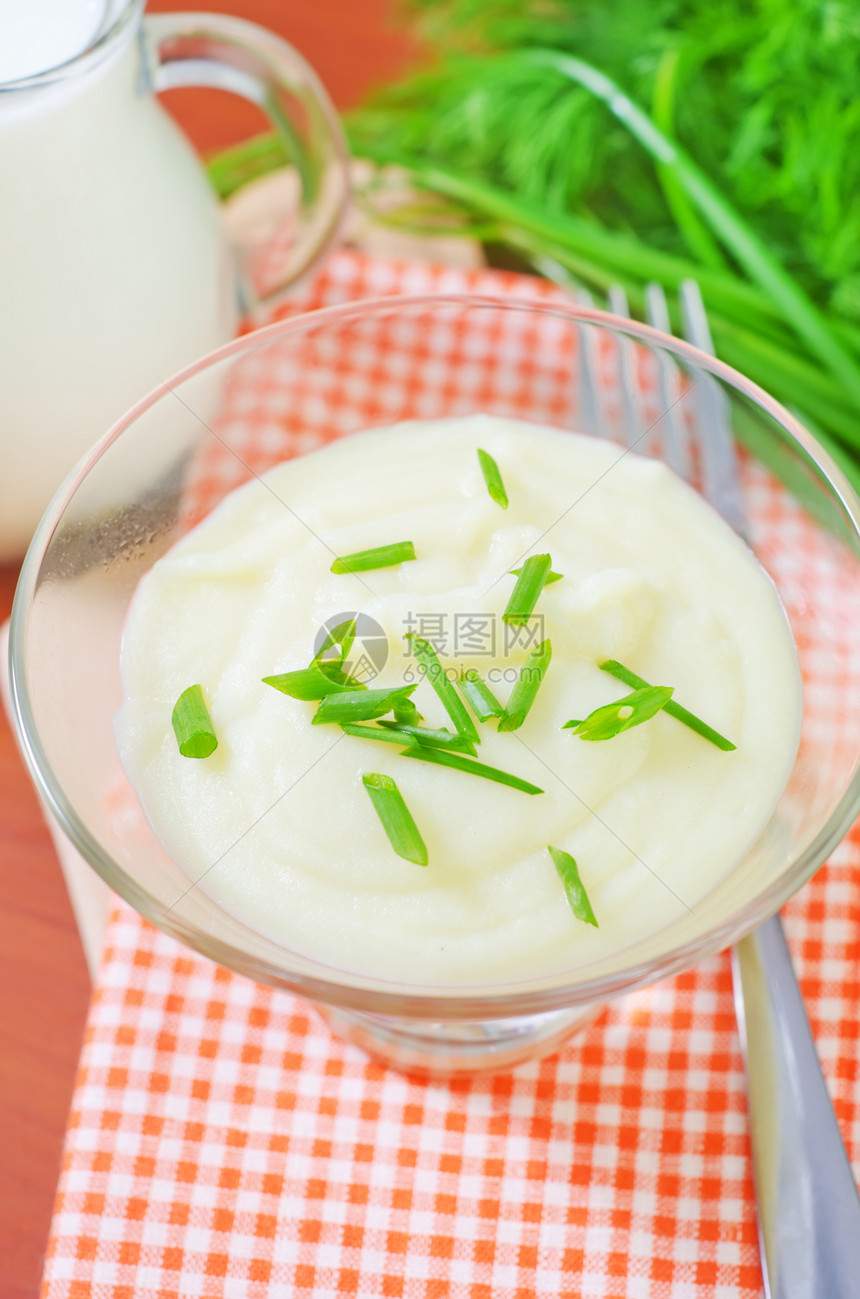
x,y
617,300
711,426
587,386
633,431
676,451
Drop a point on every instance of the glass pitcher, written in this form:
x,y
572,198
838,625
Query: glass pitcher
x,y
115,265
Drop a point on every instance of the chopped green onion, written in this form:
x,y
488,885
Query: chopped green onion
x,y
526,686
632,710
192,725
493,478
443,758
530,583
479,696
573,886
433,739
343,635
550,578
674,709
379,557
357,705
393,736
403,834
314,682
451,701
405,713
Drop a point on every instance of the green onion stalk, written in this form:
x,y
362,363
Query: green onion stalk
x,y
462,133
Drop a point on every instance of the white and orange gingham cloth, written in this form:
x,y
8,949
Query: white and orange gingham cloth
x,y
222,1143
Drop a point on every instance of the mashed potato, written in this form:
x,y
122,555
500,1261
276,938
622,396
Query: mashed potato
x,y
276,824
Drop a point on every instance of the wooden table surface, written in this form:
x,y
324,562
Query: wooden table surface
x,y
353,44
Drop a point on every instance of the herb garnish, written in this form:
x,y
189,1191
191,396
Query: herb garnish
x,y
357,705
479,696
432,738
573,886
314,682
371,732
405,712
526,686
612,719
550,578
674,709
379,557
192,724
435,673
443,758
531,581
493,478
342,636
403,834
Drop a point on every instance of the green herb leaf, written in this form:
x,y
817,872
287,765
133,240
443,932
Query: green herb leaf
x,y
442,758
550,578
493,478
530,583
342,636
526,686
314,682
403,834
406,713
479,696
573,886
192,725
433,739
357,705
632,710
674,709
379,557
392,736
435,673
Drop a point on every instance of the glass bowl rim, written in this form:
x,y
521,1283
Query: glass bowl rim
x,y
366,993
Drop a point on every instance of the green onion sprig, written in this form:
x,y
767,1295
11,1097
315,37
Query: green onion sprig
x,y
442,758
432,738
611,719
493,478
192,724
403,834
342,637
479,696
550,577
357,705
361,561
530,582
451,701
315,682
405,712
674,709
526,686
573,886
364,732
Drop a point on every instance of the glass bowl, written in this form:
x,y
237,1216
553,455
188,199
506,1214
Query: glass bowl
x,y
294,385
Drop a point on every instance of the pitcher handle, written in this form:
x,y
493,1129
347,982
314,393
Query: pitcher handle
x,y
204,49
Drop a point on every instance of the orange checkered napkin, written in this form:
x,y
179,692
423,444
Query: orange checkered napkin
x,y
223,1144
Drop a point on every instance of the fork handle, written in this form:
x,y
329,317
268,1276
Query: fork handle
x,y
808,1206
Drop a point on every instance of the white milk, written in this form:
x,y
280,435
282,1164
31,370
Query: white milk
x,y
42,34
276,824
114,268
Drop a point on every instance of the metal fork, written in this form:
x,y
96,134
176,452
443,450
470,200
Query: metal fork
x,y
808,1205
